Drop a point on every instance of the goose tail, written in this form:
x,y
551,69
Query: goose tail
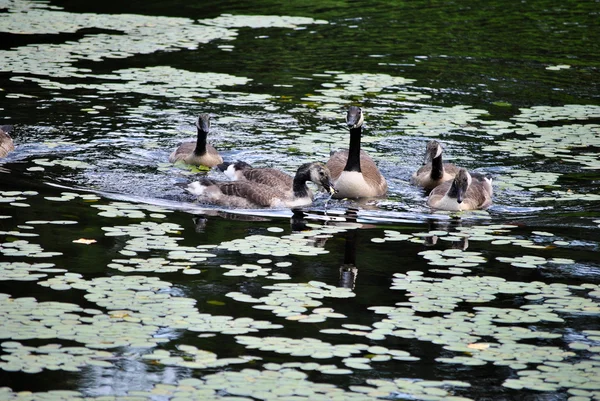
x,y
200,187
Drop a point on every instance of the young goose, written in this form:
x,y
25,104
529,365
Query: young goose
x,y
198,153
248,194
242,171
354,173
6,142
465,192
430,175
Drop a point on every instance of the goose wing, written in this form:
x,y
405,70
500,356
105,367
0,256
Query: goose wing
x,y
480,191
337,162
269,176
6,142
371,173
185,149
259,194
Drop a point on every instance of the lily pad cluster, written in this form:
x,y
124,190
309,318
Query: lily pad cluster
x,y
293,300
435,121
75,164
134,35
29,359
495,234
15,198
531,262
25,248
151,236
353,356
533,181
148,303
191,357
503,328
254,270
22,271
267,245
565,142
344,86
133,211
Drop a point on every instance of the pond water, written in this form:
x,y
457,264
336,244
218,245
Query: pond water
x,y
116,283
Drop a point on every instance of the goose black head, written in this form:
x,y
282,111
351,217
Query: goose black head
x,y
462,180
354,117
319,174
203,123
433,150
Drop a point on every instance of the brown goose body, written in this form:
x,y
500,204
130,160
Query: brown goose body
x,y
249,194
6,142
434,171
198,153
467,191
354,172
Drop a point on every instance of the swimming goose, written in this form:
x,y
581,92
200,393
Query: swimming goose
x,y
248,194
6,142
467,191
242,171
430,175
198,153
354,173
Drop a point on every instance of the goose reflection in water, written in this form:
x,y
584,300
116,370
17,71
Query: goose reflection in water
x,y
451,227
348,269
299,223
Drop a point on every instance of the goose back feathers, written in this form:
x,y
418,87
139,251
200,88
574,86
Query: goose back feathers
x,y
242,171
354,172
467,191
198,153
434,171
6,142
249,194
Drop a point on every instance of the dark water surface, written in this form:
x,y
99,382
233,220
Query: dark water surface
x,y
347,300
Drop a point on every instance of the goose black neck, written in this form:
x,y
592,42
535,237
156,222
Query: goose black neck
x,y
353,163
201,143
437,168
350,248
299,186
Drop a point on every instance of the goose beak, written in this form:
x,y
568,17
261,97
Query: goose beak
x,y
326,183
459,196
427,158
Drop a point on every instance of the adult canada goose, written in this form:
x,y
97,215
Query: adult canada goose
x,y
354,173
434,171
465,192
242,171
198,153
6,142
248,194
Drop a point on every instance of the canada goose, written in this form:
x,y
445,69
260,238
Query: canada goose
x,y
242,171
430,175
465,192
6,142
248,194
354,173
198,153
